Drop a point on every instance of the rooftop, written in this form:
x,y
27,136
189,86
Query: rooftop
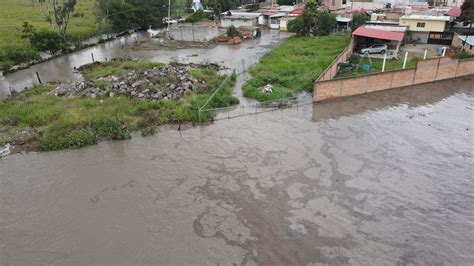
x,y
426,17
378,34
469,39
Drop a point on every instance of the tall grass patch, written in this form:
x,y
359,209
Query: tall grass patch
x,y
293,66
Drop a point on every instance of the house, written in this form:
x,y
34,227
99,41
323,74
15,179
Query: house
x,y
284,22
275,20
427,28
336,4
239,19
468,42
343,23
392,36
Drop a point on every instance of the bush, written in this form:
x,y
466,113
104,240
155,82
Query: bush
x,y
463,55
11,55
50,41
198,16
73,139
232,31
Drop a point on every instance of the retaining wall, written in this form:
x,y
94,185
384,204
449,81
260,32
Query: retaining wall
x,y
426,71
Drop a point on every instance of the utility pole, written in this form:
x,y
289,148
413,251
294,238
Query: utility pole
x,y
467,36
169,17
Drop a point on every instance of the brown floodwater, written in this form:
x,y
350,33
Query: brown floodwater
x,y
378,179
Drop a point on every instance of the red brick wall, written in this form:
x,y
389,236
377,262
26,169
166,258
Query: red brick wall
x,y
465,67
332,69
425,71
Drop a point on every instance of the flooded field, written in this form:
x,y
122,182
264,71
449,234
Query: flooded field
x,y
379,179
238,57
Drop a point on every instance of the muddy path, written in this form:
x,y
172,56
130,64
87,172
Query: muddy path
x,y
377,179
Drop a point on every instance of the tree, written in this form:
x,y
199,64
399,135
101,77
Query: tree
x,y
325,23
301,25
358,20
467,10
128,14
61,14
44,40
220,6
313,21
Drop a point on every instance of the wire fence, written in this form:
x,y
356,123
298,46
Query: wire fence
x,y
257,107
202,108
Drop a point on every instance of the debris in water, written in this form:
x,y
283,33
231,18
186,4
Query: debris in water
x,y
5,150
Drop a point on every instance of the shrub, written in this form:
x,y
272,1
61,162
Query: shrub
x,y
463,55
11,55
73,139
198,16
232,31
50,41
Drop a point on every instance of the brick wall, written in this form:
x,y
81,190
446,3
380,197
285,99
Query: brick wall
x,y
426,71
332,69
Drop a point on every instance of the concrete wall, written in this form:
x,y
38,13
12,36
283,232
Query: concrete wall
x,y
457,42
193,33
227,22
426,71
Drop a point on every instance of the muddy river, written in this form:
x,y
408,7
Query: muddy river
x,y
380,179
238,57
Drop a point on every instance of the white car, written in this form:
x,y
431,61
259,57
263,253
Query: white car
x,y
375,49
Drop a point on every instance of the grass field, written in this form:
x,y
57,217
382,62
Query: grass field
x,y
54,123
376,66
14,12
293,66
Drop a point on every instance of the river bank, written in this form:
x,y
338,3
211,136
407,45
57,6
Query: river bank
x,y
379,179
117,98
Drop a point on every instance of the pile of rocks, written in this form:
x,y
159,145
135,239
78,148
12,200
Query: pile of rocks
x,y
170,82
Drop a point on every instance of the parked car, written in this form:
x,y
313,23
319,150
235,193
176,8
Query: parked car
x,y
375,49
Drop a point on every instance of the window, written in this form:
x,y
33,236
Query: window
x,y
333,2
344,2
420,24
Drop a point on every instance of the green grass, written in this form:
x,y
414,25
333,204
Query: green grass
x,y
14,12
62,123
376,66
293,66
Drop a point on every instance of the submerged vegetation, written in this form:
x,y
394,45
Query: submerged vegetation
x,y
293,66
46,122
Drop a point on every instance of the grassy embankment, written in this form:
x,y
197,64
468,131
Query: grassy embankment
x,y
45,122
293,66
14,49
376,66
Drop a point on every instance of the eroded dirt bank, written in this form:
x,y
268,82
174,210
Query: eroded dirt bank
x,y
377,179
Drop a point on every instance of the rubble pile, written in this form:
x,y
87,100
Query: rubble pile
x,y
170,82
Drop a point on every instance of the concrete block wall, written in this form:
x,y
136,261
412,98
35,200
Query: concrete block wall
x,y
426,71
193,33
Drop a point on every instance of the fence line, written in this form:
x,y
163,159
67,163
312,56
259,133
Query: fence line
x,y
200,108
257,108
